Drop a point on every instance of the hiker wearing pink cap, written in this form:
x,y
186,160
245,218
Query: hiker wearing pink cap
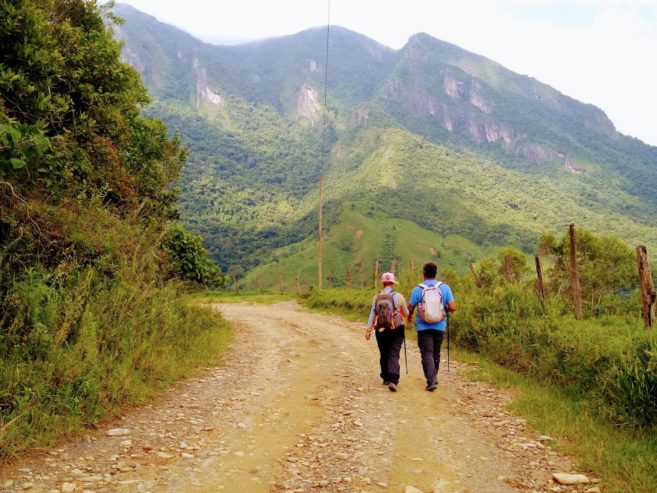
x,y
387,317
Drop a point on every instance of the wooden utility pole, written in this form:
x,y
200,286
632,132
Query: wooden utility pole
x,y
539,281
646,286
574,276
319,235
376,273
475,275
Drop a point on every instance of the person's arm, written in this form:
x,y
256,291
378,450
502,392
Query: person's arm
x,y
450,304
370,321
403,308
411,308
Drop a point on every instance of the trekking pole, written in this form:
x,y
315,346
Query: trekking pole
x,y
405,358
447,318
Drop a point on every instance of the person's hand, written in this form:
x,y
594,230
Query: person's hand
x,y
368,333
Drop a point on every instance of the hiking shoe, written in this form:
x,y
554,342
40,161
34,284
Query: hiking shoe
x,y
392,387
431,387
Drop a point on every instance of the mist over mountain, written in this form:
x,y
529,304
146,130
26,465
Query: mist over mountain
x,y
429,151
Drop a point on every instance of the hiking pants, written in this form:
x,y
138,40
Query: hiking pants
x,y
429,342
390,343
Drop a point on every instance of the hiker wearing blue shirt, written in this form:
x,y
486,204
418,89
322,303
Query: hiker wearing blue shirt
x,y
434,301
387,320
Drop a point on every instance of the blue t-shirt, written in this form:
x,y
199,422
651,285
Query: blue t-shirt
x,y
416,297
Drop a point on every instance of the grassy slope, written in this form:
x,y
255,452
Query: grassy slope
x,y
474,207
343,250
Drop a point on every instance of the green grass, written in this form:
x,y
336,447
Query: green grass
x,y
623,459
128,345
355,242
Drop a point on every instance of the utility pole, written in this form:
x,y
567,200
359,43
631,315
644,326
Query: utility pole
x,y
574,276
539,281
319,235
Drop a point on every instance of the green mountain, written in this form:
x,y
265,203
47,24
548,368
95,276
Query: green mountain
x,y
428,151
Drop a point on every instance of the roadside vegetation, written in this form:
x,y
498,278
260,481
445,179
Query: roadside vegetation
x,y
93,264
590,382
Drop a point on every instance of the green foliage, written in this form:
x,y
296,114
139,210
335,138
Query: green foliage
x,y
188,257
69,111
251,183
607,361
76,348
606,266
19,144
90,319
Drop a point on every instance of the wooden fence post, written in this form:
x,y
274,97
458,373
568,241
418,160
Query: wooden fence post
x,y
258,283
574,276
539,281
298,285
646,286
475,275
348,278
282,283
508,271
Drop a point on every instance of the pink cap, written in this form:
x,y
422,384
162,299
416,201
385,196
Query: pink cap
x,y
388,277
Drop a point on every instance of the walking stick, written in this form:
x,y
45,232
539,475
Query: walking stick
x,y
447,318
405,358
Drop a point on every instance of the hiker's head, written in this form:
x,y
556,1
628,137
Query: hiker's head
x,y
429,270
388,279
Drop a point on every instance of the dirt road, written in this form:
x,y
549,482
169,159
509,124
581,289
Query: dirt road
x,y
299,407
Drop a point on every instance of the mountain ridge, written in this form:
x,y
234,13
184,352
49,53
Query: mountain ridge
x,y
254,118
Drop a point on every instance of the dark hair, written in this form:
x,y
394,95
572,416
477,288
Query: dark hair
x,y
429,270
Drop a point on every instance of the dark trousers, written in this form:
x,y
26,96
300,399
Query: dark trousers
x,y
429,342
390,343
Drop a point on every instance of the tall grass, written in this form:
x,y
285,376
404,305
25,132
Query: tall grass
x,y
95,330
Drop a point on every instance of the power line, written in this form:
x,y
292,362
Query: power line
x,y
320,236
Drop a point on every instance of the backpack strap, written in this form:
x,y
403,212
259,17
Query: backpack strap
x,y
393,293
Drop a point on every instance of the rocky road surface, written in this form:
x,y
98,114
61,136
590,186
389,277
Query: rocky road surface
x,y
299,407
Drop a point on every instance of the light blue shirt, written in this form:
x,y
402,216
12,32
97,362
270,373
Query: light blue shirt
x,y
416,298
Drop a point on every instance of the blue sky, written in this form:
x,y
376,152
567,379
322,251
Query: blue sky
x,y
601,52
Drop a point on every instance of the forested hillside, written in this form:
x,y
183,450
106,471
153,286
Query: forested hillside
x,y
91,254
428,150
